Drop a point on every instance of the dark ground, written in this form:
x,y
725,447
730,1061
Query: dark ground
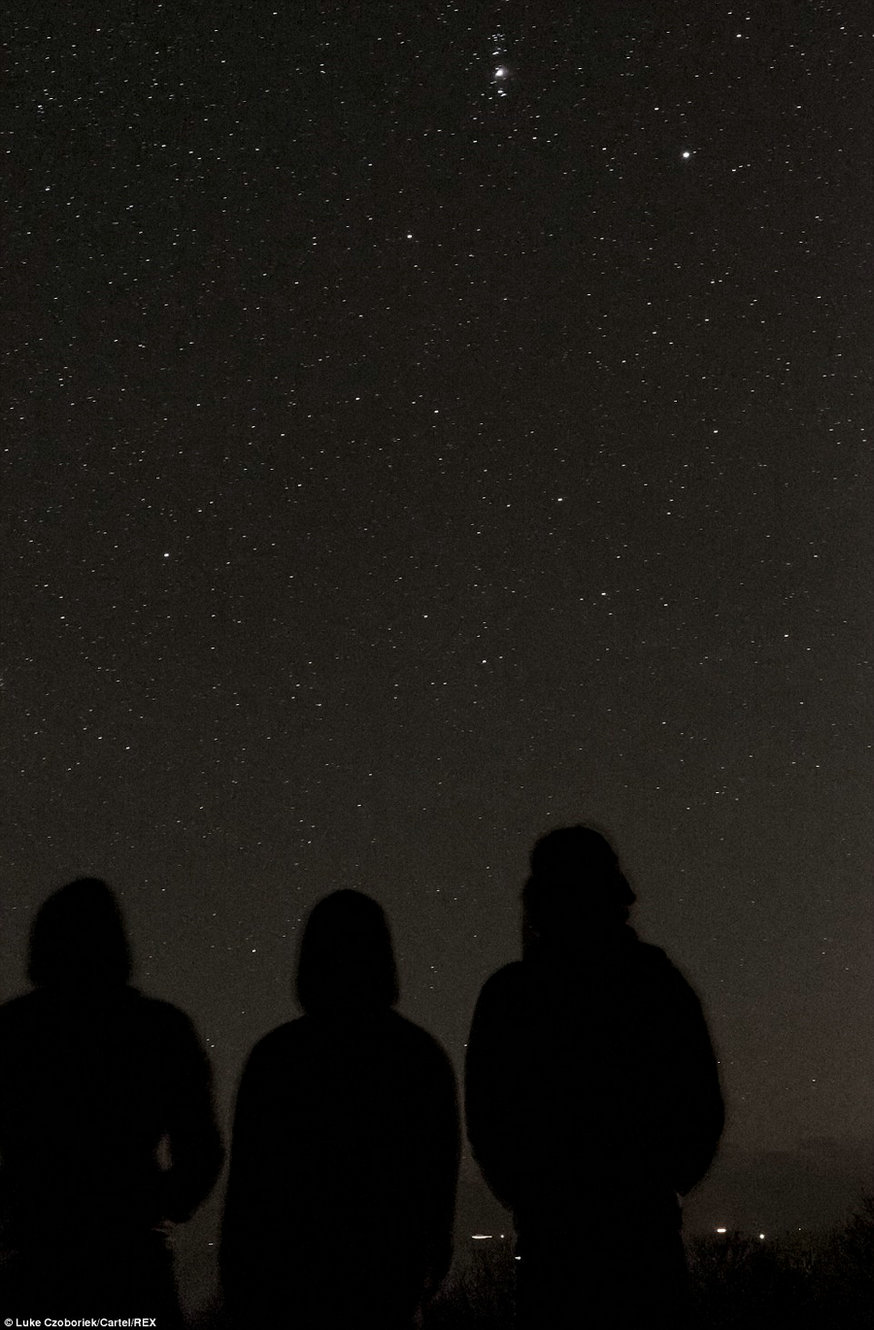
x,y
806,1280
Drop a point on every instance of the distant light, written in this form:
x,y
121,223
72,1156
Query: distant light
x,y
517,1258
501,72
722,1230
761,1237
481,1237
686,155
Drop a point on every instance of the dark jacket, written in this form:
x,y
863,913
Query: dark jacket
x,y
343,1170
592,1091
91,1083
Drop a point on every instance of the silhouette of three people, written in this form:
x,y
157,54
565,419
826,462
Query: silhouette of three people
x,y
592,1098
345,1149
107,1128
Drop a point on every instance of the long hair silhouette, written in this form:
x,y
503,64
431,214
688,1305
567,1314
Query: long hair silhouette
x,y
78,939
346,962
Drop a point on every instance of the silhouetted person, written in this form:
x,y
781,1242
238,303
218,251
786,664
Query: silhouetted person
x,y
345,1149
593,1099
107,1128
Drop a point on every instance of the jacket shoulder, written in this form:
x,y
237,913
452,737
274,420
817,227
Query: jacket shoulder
x,y
658,967
415,1041
16,1009
157,1010
160,1020
279,1040
510,978
654,961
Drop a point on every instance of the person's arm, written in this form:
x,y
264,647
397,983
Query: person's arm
x,y
244,1201
195,1147
700,1112
444,1149
491,1093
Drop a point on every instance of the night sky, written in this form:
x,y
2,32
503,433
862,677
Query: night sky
x,y
427,425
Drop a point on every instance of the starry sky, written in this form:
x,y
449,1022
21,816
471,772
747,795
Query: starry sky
x,y
427,424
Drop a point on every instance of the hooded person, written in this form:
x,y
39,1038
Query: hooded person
x,y
345,1148
107,1128
592,1097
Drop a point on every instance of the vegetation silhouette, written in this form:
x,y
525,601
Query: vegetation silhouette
x,y
805,1280
592,1097
345,1148
107,1128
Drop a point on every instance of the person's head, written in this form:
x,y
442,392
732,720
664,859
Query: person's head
x,y
576,888
346,962
78,940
